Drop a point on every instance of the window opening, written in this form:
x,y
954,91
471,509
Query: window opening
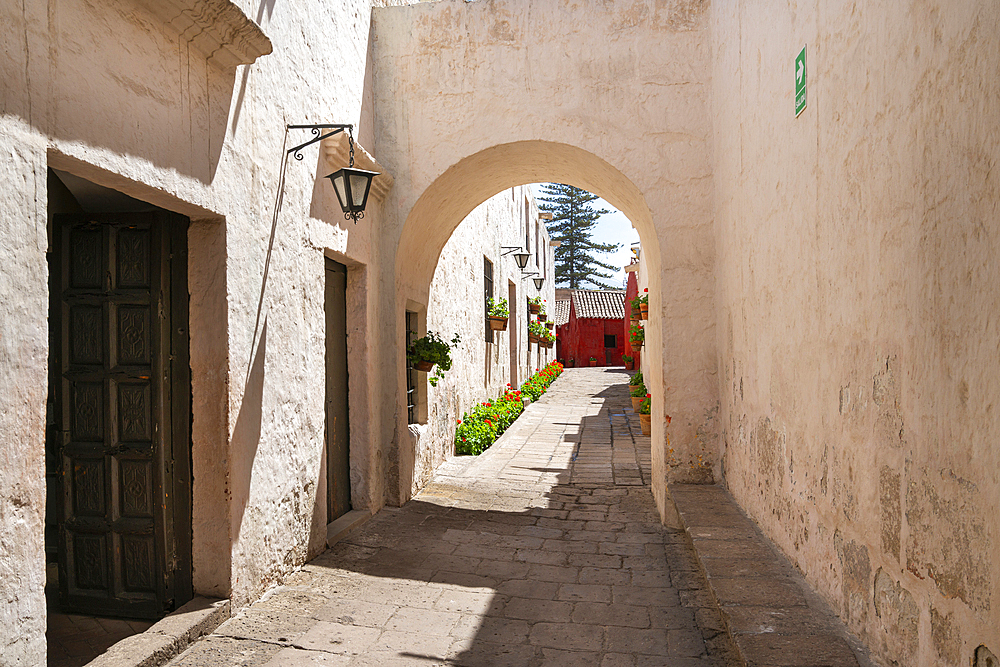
x,y
610,340
411,374
487,295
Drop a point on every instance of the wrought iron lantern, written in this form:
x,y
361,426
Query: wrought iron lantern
x,y
522,259
352,187
539,282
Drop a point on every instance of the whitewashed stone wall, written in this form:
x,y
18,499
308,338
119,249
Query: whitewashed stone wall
x,y
481,370
858,275
114,94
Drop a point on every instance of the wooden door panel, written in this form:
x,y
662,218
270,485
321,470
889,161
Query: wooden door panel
x,y
337,423
112,299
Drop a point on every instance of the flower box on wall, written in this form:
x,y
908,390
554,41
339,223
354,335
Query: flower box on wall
x,y
498,323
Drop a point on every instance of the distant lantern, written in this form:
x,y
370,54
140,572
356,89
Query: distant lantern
x,y
522,259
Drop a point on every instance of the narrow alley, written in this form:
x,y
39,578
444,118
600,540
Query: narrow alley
x,y
545,550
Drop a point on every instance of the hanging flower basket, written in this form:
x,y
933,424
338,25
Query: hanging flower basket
x,y
549,325
534,308
423,366
644,311
498,323
532,338
645,424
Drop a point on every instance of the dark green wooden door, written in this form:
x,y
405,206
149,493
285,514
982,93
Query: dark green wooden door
x,y
121,413
338,429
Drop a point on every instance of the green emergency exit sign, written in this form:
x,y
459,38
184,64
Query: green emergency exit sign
x,y
800,82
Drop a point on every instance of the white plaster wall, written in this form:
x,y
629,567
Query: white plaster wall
x,y
509,91
106,91
480,370
857,303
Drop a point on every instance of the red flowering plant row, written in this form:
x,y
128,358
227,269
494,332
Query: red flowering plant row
x,y
479,428
540,381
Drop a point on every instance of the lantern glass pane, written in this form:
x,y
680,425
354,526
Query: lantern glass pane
x,y
359,188
338,185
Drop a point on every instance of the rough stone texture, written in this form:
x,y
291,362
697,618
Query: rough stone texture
x,y
769,611
856,271
477,97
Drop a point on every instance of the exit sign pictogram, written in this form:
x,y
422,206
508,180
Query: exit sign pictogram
x,y
800,82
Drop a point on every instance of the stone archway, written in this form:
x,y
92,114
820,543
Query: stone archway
x,y
476,97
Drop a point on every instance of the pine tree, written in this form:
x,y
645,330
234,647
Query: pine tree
x,y
572,223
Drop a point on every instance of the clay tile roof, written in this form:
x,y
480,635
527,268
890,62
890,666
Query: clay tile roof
x,y
599,304
561,313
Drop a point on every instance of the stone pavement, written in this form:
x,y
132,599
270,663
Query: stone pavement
x,y
545,550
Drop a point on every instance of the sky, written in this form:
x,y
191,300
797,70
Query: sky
x,y
611,228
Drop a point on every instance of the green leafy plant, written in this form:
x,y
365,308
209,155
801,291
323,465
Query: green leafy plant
x,y
627,358
535,328
644,406
593,358
635,379
637,390
640,299
538,383
434,349
480,427
636,335
497,308
536,300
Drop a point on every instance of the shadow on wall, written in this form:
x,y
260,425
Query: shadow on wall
x,y
135,102
246,434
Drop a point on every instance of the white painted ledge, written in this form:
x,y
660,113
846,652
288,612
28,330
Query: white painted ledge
x,y
217,28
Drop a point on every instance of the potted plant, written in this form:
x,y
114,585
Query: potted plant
x,y
549,324
637,392
593,361
535,304
424,353
572,362
629,361
498,314
644,418
535,330
636,336
636,309
644,304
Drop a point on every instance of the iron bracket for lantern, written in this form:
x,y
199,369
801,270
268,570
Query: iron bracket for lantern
x,y
351,185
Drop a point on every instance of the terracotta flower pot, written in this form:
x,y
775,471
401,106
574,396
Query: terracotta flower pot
x,y
644,311
636,402
532,338
533,308
629,365
549,325
593,362
644,422
498,323
423,366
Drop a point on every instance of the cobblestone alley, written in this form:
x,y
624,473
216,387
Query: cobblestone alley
x,y
545,550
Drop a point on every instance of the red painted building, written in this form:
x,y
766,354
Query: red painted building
x,y
590,323
631,291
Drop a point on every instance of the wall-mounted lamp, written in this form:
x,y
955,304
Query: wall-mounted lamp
x,y
351,185
539,282
521,257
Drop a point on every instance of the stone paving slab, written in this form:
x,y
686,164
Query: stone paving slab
x,y
545,550
772,615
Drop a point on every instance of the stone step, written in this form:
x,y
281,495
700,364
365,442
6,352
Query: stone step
x,y
771,614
